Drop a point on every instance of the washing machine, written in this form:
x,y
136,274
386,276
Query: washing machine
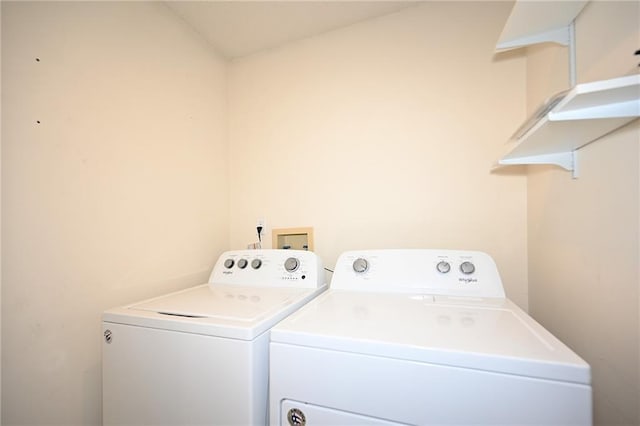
x,y
421,337
200,356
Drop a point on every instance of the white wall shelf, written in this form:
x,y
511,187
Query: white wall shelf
x,y
574,119
532,22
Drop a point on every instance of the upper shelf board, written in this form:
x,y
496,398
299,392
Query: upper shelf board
x,y
532,22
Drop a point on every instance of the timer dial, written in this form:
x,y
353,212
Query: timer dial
x,y
291,264
443,267
360,265
467,268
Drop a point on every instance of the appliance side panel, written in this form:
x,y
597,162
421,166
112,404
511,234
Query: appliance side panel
x,y
153,376
260,379
419,393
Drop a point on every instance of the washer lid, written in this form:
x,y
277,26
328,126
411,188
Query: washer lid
x,y
233,311
227,302
485,334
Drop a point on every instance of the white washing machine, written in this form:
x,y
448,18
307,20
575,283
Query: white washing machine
x,y
200,356
421,337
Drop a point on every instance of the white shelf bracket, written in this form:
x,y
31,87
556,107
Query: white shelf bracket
x,y
573,74
532,22
574,165
556,35
566,160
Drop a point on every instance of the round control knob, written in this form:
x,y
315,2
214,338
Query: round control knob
x,y
360,265
256,263
443,267
291,264
229,263
242,263
467,268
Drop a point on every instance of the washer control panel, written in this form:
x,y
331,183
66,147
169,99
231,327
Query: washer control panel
x,y
273,268
442,272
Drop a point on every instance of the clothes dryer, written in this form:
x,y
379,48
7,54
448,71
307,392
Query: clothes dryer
x,y
200,356
421,337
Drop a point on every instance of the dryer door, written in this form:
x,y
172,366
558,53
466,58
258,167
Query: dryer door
x,y
294,413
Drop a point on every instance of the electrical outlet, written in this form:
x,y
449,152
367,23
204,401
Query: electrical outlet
x,y
261,222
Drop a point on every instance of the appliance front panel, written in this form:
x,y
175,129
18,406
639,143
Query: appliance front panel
x,y
160,377
418,393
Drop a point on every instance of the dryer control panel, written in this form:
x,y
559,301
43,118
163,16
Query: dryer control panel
x,y
269,268
437,272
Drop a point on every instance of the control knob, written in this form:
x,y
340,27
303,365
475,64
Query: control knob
x,y
256,263
467,268
360,265
443,267
291,264
242,263
229,263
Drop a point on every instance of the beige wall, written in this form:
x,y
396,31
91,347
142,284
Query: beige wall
x,y
120,193
378,135
382,135
584,234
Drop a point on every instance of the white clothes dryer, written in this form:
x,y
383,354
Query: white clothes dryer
x,y
200,356
421,337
